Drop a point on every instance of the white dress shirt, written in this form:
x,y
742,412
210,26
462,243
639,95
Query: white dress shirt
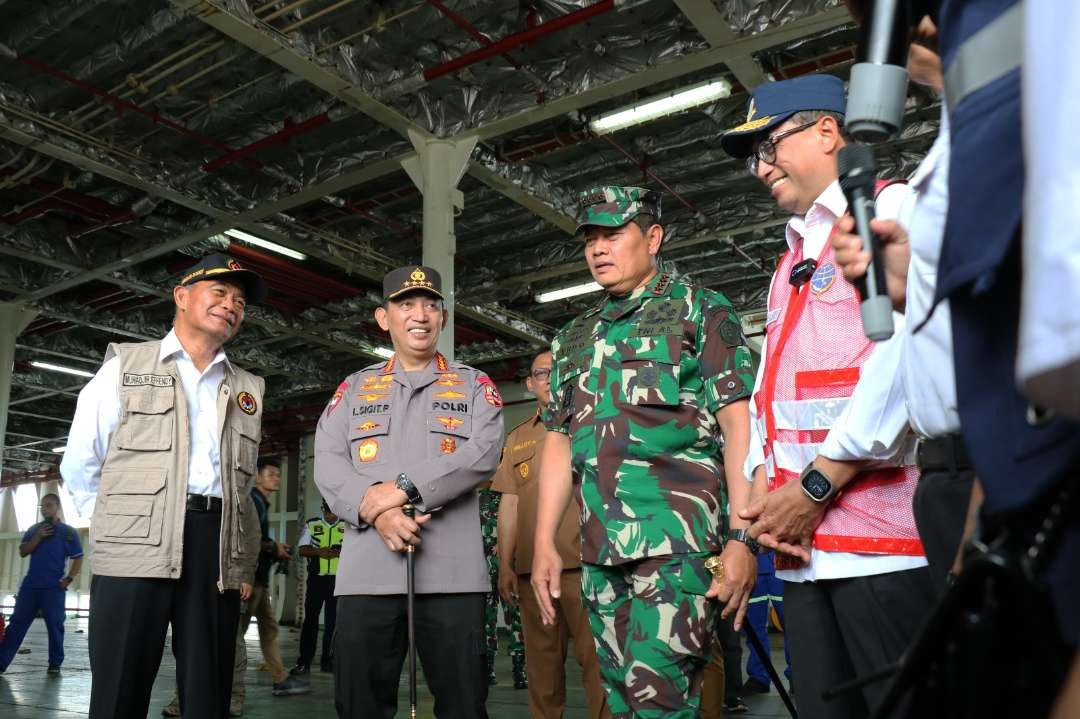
x,y
98,414
1049,334
928,378
873,423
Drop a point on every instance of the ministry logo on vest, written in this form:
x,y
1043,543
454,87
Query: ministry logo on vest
x,y
823,278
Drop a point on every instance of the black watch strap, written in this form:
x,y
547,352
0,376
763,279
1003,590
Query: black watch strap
x,y
740,535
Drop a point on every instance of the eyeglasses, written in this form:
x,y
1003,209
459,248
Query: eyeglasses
x,y
540,375
766,149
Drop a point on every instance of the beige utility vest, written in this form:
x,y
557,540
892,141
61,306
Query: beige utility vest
x,y
137,529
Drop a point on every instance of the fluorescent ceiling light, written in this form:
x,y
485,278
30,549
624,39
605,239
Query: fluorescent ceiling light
x,y
265,244
61,368
384,352
60,450
661,105
552,295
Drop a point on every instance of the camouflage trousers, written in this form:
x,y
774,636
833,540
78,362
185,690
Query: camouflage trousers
x,y
653,631
489,517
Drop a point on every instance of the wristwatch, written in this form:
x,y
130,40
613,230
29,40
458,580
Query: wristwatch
x,y
817,486
405,485
740,535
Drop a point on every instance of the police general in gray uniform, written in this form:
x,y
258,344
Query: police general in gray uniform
x,y
423,430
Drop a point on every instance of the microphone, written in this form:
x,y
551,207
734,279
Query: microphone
x,y
877,88
855,164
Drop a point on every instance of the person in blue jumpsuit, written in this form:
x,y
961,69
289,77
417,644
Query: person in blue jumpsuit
x,y
49,544
768,591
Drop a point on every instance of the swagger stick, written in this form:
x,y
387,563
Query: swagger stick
x,y
410,591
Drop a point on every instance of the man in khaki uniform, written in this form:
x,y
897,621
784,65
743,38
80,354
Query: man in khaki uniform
x,y
545,647
162,451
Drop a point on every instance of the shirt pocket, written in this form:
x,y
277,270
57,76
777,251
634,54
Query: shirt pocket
x,y
148,421
447,431
570,372
245,452
368,441
523,466
134,507
649,371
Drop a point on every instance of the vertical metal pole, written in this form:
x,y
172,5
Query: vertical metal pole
x,y
13,320
436,171
410,609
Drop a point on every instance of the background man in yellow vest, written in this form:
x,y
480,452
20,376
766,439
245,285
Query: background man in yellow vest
x,y
321,544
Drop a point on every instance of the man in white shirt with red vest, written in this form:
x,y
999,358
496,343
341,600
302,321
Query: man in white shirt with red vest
x,y
829,494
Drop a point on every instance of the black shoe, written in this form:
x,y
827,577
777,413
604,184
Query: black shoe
x,y
521,681
54,669
492,681
754,685
735,705
300,669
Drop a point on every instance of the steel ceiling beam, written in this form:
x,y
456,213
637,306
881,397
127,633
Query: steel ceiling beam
x,y
714,27
505,187
265,40
674,69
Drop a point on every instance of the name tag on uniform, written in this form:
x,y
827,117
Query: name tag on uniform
x,y
152,380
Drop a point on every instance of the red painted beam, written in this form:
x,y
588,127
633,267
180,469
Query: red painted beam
x,y
281,137
511,41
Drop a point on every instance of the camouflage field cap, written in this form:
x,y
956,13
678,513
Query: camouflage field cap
x,y
614,206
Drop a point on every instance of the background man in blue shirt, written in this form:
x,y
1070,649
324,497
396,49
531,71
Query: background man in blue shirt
x,y
49,543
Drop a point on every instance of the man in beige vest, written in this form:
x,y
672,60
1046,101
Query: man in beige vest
x,y
545,647
161,454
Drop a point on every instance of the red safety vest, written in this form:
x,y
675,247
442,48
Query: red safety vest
x,y
815,352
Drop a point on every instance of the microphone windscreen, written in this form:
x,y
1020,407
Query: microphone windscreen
x,y
855,166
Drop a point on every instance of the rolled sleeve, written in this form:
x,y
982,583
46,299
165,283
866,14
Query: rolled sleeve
x,y
445,478
727,368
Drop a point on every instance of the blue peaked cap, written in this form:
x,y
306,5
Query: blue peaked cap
x,y
774,102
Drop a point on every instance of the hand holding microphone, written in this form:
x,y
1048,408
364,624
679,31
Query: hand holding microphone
x,y
858,175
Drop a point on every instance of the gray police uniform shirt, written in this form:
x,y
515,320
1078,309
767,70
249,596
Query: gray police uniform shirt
x,y
441,426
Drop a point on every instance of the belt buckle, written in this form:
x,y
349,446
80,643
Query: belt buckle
x,y
199,502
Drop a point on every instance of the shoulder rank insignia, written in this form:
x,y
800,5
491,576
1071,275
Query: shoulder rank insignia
x,y
450,422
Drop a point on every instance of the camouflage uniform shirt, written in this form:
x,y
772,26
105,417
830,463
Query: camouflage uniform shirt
x,y
635,383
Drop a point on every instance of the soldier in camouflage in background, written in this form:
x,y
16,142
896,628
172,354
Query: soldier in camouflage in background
x,y
489,522
643,384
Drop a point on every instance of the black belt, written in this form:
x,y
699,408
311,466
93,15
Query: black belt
x,y
946,452
203,503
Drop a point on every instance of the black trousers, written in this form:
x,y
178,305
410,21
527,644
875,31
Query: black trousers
x,y
940,507
371,644
840,629
320,592
128,620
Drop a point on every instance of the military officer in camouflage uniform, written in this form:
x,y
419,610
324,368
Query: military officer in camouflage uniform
x,y
643,385
489,523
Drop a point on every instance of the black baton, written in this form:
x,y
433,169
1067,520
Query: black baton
x,y
410,591
766,659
